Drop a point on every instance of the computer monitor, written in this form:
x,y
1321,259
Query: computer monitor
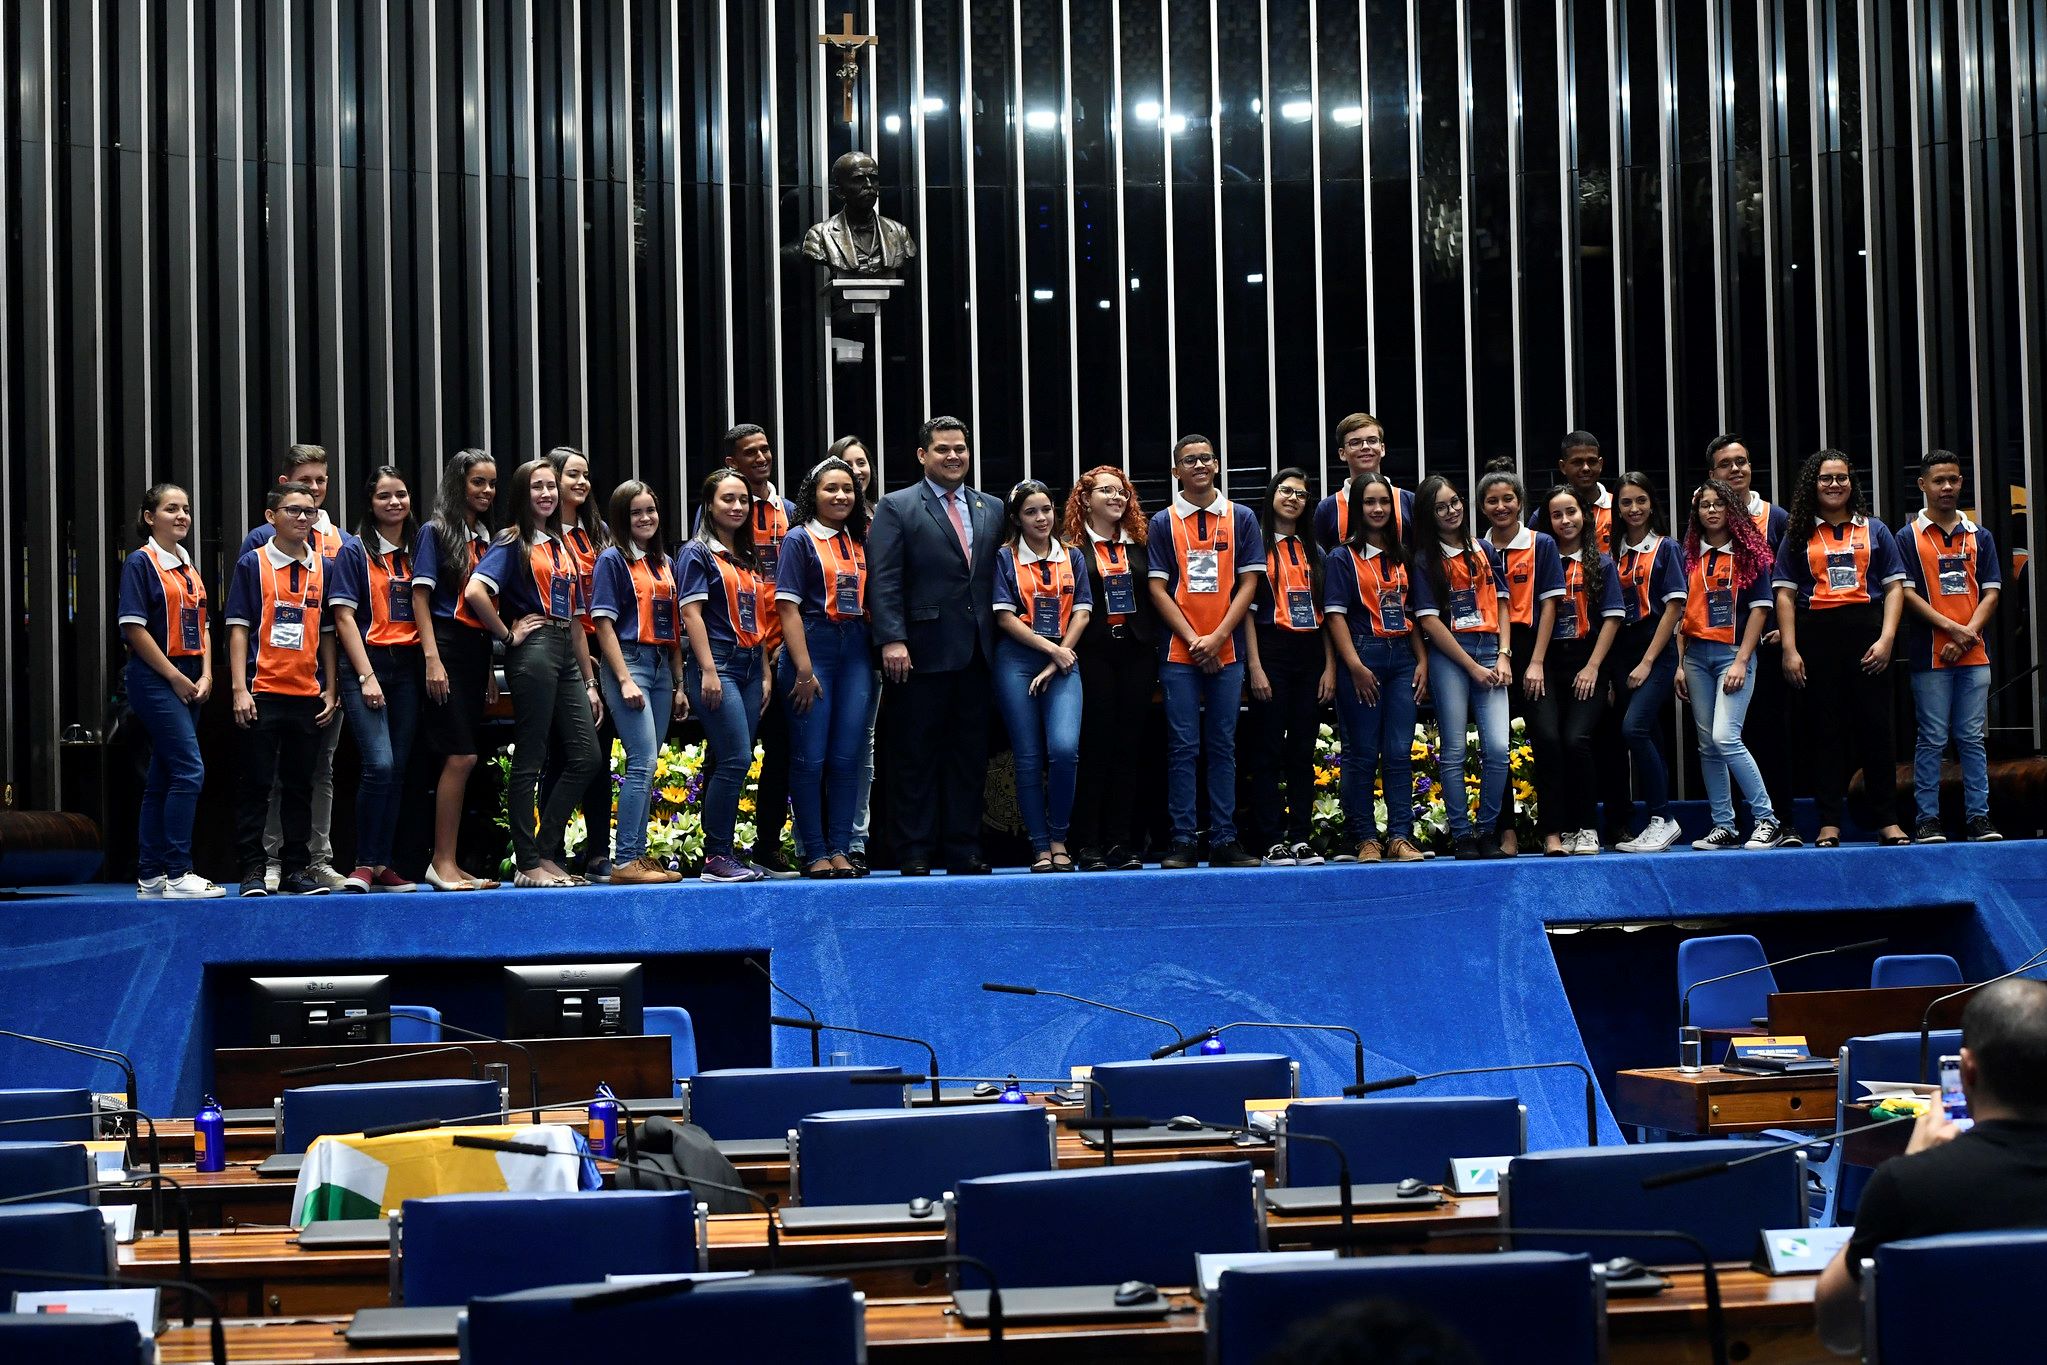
x,y
315,1008
573,1000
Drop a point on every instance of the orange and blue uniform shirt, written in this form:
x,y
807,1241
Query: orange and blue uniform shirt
x,y
824,572
1602,517
1717,600
1044,592
1534,574
1198,552
1369,592
1952,572
730,591
1578,616
1769,519
325,537
1652,573
282,602
637,593
1477,583
1332,515
385,588
771,517
1115,568
1286,600
536,577
583,546
1841,566
446,602
161,591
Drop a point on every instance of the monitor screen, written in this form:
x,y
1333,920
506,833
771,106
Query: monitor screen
x,y
573,1000
315,1009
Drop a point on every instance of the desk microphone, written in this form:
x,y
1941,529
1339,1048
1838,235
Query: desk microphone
x,y
157,1182
101,1054
1088,1082
1688,1038
1001,989
321,1068
219,1330
1357,1041
776,987
155,1153
1591,1089
532,1071
1926,1019
785,1021
1688,1173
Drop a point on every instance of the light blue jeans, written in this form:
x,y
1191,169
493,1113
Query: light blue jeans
x,y
1201,717
1717,716
1951,703
730,732
829,743
641,732
1381,734
1459,701
1044,738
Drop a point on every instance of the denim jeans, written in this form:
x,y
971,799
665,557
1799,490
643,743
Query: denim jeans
x,y
1201,718
1375,736
1718,718
1459,701
729,730
170,794
863,785
384,739
641,732
1951,703
548,698
828,744
1643,709
1044,738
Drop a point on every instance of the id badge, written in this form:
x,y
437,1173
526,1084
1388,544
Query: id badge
x,y
401,599
1392,611
1119,591
767,554
1841,575
1300,609
287,627
561,597
1204,571
663,614
1566,627
1720,608
846,593
188,629
1464,610
1045,616
748,614
1954,575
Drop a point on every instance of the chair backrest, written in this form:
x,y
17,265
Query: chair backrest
x,y
313,1111
1509,1306
889,1156
454,1247
1915,969
34,1103
1105,1224
1926,1298
674,1021
1392,1139
760,1320
60,1237
74,1338
1875,1057
1601,1187
1726,1004
418,1024
768,1101
32,1167
1212,1089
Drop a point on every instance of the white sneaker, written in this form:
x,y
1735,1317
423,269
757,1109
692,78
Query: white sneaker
x,y
1661,833
192,887
326,876
272,874
1279,855
1306,856
149,888
1583,842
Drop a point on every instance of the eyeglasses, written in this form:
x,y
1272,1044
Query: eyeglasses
x,y
1191,460
1296,494
1360,442
299,513
1833,480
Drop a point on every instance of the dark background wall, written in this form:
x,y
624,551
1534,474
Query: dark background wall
x,y
398,227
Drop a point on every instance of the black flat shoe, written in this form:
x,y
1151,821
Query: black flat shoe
x,y
1062,862
859,861
1043,863
916,867
1091,860
973,867
1121,859
821,874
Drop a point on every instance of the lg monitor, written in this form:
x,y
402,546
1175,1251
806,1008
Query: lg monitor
x,y
316,1009
573,1000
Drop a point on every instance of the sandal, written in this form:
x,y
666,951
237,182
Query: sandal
x,y
1895,840
1043,863
537,881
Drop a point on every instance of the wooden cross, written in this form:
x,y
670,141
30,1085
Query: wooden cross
x,y
849,44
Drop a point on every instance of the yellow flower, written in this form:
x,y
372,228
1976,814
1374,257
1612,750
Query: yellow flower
x,y
1524,791
673,795
746,803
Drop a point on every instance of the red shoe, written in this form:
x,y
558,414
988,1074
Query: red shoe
x,y
389,880
357,881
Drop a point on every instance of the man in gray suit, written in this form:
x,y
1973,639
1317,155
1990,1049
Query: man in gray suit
x,y
930,597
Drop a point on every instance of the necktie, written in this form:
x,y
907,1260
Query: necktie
x,y
959,527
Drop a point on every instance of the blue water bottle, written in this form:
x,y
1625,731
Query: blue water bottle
x,y
1012,1093
1213,1046
209,1137
604,1115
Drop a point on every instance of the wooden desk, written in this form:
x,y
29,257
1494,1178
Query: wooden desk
x,y
1828,1019
247,1077
1715,1102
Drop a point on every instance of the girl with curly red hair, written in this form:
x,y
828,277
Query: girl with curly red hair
x,y
1118,667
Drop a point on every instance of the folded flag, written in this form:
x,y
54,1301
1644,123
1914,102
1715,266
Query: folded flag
x,y
351,1176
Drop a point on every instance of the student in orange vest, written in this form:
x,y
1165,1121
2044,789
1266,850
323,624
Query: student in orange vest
x,y
1567,709
746,449
162,613
1952,584
827,672
280,655
459,679
1290,673
1643,664
1581,464
1840,593
382,673
528,593
850,449
1535,580
586,536
1205,553
633,600
1361,445
1728,459
1119,668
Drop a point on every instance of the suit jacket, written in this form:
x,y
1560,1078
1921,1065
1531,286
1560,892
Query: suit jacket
x,y
921,590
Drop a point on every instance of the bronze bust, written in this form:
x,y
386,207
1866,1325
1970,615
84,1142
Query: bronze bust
x,y
857,240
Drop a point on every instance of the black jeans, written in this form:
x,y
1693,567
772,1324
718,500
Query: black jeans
x,y
1763,730
548,698
1518,706
1844,714
1280,737
1117,679
1560,728
938,762
771,793
279,748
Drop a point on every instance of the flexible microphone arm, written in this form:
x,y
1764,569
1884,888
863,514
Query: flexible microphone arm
x,y
1591,1087
1089,1082
1926,1019
776,987
1357,1040
1685,1002
532,1071
219,1332
1662,1179
1001,989
157,1183
321,1068
103,1054
155,1153
785,1021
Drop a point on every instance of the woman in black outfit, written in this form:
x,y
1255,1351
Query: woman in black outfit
x,y
1118,666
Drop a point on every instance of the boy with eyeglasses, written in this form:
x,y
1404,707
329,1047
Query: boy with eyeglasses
x,y
1361,445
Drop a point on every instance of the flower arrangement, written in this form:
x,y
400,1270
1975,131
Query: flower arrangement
x,y
1431,816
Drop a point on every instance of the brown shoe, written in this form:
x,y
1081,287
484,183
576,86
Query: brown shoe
x,y
1369,851
1402,850
639,872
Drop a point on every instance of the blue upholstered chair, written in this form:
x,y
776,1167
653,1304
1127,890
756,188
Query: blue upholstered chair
x,y
761,1320
74,1338
1511,1307
68,1238
1104,1224
1915,969
454,1247
1601,1187
313,1111
1729,1004
1212,1089
1932,1298
32,1167
1392,1139
1874,1057
890,1156
31,1104
767,1101
674,1021
417,1024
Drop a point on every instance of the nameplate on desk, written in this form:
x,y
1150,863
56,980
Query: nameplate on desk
x,y
1061,1303
109,1160
1799,1251
281,1166
136,1305
1476,1174
753,1149
691,1275
1295,1201
436,1326
1210,1265
346,1234
1785,1048
837,1218
121,1218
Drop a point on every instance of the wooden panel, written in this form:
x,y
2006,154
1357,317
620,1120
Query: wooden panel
x,y
1828,1019
570,1068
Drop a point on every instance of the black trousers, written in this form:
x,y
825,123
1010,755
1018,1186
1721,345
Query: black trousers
x,y
1764,730
1844,714
1117,679
771,806
1560,729
1609,746
1279,740
279,749
1518,705
938,762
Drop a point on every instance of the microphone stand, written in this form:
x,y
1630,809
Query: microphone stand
x,y
1108,1133
1001,989
785,1021
776,987
321,1068
1926,1019
1688,1173
219,1332
101,1054
1357,1040
1591,1088
532,1071
155,1181
155,1152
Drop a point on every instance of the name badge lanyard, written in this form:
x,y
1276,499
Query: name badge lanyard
x,y
1719,593
188,612
1952,571
846,582
1464,612
1300,601
288,622
1392,602
1204,562
561,600
1566,627
660,604
1118,592
1842,573
1046,603
742,594
399,576
766,547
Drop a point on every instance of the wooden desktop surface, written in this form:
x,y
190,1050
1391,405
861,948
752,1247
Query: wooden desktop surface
x,y
1715,1102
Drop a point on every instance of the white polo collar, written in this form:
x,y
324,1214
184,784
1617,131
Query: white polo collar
x,y
1096,538
1644,546
770,496
1026,555
1452,551
821,532
1371,551
1523,539
1920,521
1605,498
280,560
540,537
1726,549
633,553
385,547
1857,520
719,547
173,558
1755,503
1184,509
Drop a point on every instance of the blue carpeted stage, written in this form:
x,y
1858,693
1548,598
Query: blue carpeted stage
x,y
1439,965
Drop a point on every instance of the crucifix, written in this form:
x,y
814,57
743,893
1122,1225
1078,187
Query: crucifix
x,y
848,44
